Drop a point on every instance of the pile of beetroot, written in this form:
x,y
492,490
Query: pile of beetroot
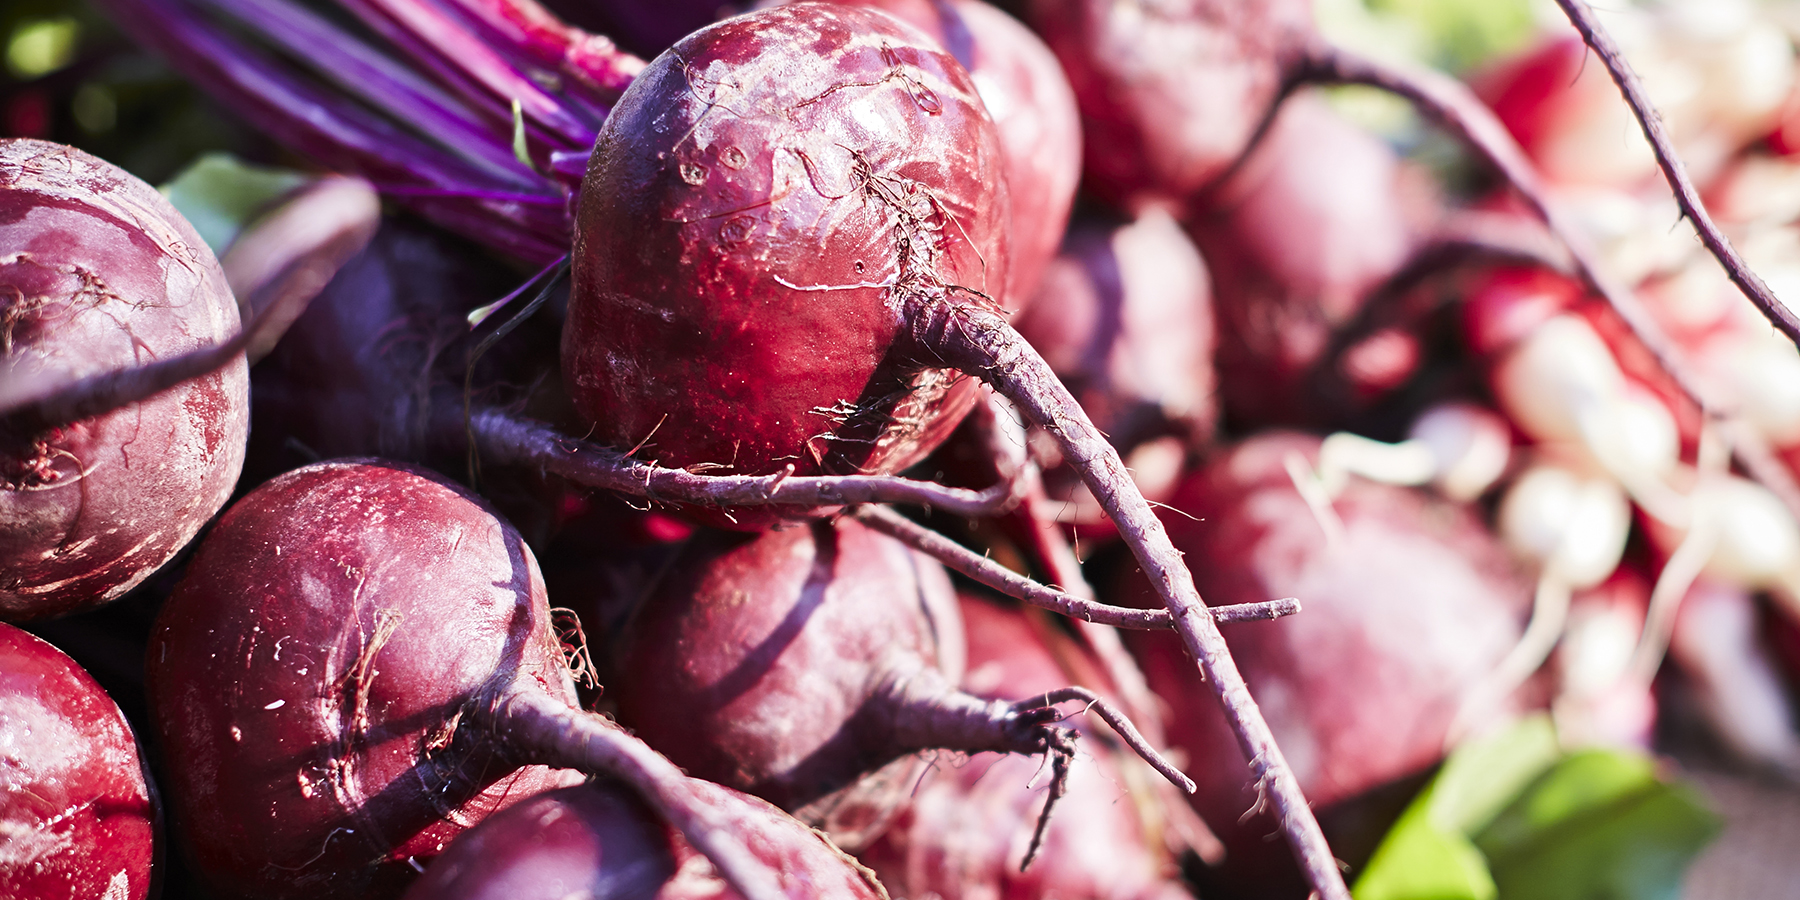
x,y
898,448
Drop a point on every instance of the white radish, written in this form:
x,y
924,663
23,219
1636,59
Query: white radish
x,y
1459,448
1572,527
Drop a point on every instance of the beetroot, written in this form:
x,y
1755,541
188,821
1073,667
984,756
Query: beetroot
x,y
737,275
1171,93
1405,613
595,841
76,808
968,825
1296,239
1125,317
104,275
358,666
377,364
792,664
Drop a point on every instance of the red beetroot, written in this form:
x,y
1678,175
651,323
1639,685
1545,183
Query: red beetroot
x,y
102,275
1296,239
793,664
358,666
731,327
595,841
77,813
1125,317
968,825
1404,614
750,221
1171,93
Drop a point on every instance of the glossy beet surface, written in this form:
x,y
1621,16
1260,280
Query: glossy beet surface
x,y
310,673
774,665
77,821
99,273
1402,615
595,842
755,209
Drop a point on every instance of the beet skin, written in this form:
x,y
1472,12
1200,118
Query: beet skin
x,y
77,815
99,273
756,209
310,674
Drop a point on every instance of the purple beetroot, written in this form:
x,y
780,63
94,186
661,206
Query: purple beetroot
x,y
597,842
358,666
969,823
78,818
1409,602
102,275
1296,239
737,276
1025,91
795,664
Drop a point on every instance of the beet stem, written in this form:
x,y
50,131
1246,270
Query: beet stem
x,y
1002,579
540,729
1127,732
979,341
1451,104
507,439
1753,287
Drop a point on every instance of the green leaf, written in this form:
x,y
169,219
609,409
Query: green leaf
x,y
521,150
1427,855
1483,776
1510,817
1599,826
220,194
1418,861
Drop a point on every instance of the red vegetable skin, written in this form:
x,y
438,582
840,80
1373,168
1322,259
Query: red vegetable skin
x,y
309,674
755,208
1171,93
1124,316
101,274
969,823
1296,239
595,841
77,819
809,667
790,666
1400,622
1027,94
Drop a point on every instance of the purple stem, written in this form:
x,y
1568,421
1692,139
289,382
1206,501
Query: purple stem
x,y
978,340
363,72
1012,584
597,71
507,440
337,132
538,729
458,59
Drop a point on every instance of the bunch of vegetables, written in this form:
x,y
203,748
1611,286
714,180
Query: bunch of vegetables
x,y
1043,452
